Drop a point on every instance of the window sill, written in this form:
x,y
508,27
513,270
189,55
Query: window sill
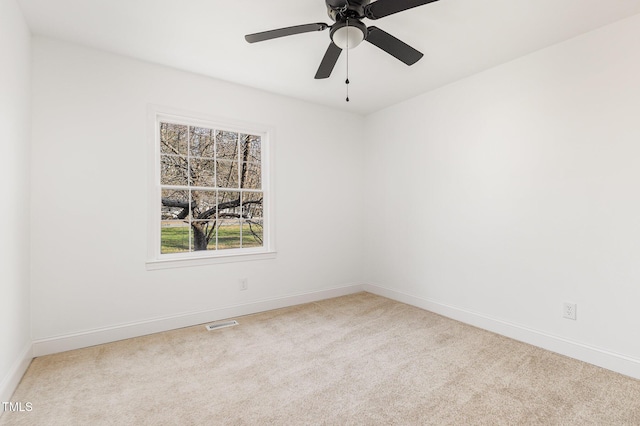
x,y
153,265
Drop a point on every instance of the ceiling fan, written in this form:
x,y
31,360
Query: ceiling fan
x,y
349,30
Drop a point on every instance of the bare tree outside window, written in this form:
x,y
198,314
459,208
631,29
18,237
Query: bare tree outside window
x,y
211,189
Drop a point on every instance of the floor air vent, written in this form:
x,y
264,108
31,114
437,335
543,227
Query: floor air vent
x,y
222,324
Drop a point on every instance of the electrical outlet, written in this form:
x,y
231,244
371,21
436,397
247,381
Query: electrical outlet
x,y
569,310
244,284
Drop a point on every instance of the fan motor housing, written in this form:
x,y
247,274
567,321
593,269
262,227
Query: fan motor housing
x,y
339,10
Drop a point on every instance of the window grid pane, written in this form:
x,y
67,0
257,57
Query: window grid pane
x,y
211,183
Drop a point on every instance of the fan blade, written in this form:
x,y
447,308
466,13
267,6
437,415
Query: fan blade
x,y
393,46
283,32
329,61
381,8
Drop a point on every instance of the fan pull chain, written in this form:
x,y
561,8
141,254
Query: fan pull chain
x,y
347,80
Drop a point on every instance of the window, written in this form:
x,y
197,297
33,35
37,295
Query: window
x,y
211,191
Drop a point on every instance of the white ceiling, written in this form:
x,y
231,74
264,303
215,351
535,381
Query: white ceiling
x,y
458,38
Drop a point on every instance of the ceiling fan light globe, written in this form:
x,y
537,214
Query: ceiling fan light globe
x,y
347,37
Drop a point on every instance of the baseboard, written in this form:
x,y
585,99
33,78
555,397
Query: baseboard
x,y
619,363
10,381
126,331
612,361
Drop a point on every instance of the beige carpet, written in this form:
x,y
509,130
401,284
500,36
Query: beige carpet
x,y
359,359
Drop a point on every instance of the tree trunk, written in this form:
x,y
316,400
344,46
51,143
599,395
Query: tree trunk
x,y
200,240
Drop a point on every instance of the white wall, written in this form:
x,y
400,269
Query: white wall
x,y
503,195
89,217
15,339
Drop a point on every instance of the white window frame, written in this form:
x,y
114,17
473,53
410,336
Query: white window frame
x,y
157,260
